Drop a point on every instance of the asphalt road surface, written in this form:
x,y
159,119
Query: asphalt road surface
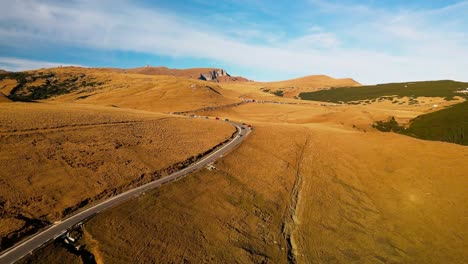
x,y
27,246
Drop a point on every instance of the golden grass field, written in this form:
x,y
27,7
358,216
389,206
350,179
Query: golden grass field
x,y
292,88
382,198
232,214
56,158
371,197
314,182
136,91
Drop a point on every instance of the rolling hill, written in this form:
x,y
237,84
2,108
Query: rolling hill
x,y
59,157
449,125
114,88
313,183
292,88
445,88
205,74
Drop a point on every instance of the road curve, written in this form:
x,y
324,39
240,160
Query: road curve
x,y
27,246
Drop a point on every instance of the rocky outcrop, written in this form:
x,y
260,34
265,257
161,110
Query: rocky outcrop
x,y
205,74
220,75
213,75
229,78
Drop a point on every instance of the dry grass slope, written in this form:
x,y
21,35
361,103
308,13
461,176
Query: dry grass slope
x,y
371,198
232,214
360,201
56,158
4,99
193,73
111,88
314,183
292,88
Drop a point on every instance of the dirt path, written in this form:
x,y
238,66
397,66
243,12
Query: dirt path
x,y
290,221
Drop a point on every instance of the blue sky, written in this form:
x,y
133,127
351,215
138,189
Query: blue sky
x,y
370,41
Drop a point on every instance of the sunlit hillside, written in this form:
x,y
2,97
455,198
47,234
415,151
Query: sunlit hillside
x,y
315,182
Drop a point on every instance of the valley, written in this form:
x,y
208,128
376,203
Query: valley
x,y
315,181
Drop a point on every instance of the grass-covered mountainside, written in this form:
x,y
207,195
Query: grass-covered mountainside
x,y
32,86
446,89
449,125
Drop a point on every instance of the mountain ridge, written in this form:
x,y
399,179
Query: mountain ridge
x,y
205,74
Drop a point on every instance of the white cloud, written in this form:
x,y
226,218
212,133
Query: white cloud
x,y
314,41
15,64
387,47
250,34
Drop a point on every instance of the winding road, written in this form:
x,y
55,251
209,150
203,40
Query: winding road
x,y
30,244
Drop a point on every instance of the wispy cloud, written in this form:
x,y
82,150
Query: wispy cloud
x,y
15,64
314,41
386,46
